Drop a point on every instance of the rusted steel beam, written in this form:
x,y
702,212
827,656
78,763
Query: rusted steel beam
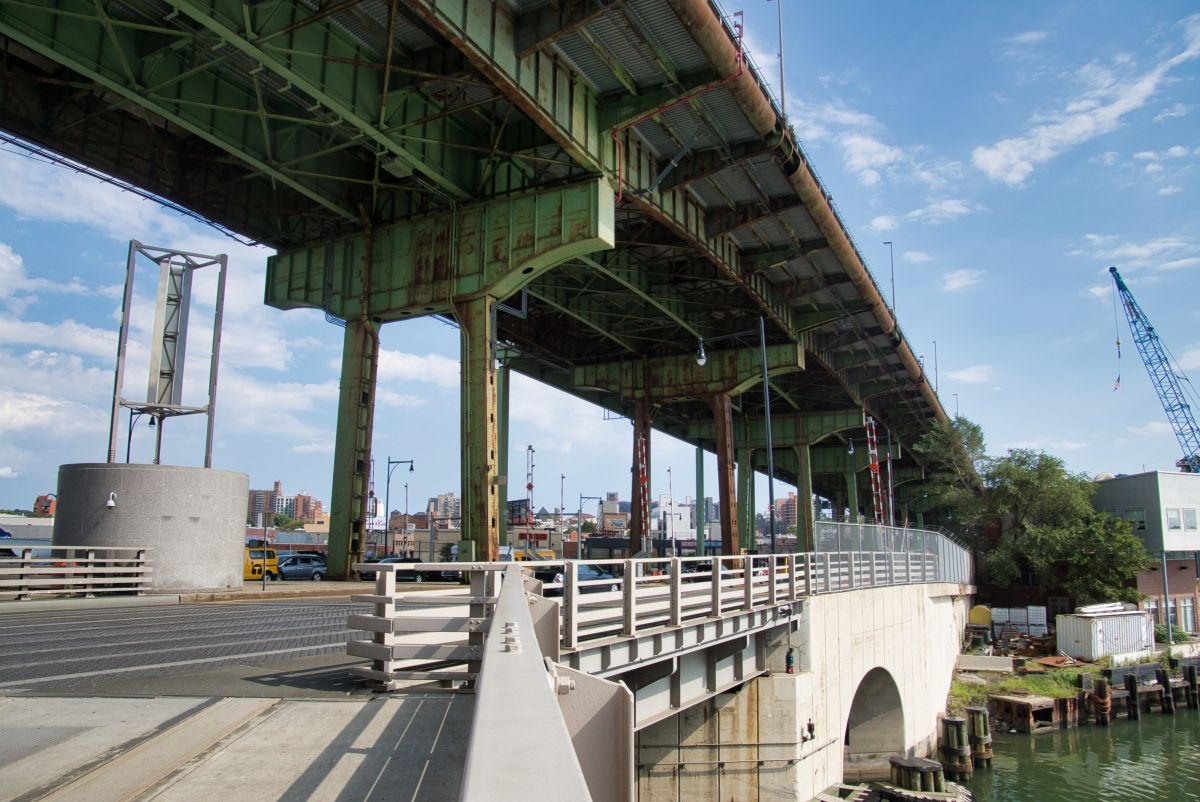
x,y
722,411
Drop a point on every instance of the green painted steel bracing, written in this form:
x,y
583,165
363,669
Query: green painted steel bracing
x,y
731,371
420,265
786,429
301,56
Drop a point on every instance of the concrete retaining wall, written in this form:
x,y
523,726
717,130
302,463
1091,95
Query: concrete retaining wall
x,y
192,519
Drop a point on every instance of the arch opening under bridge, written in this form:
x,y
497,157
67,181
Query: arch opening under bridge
x,y
874,728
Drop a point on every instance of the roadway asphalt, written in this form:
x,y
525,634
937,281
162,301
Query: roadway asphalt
x,y
249,700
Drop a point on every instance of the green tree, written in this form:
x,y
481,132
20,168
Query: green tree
x,y
588,528
1050,528
954,456
282,521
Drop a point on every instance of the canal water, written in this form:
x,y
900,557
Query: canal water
x,y
1154,758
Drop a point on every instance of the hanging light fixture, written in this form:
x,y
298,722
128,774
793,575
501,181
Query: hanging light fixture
x,y
850,445
701,357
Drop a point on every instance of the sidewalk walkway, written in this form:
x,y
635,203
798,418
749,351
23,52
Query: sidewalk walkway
x,y
300,730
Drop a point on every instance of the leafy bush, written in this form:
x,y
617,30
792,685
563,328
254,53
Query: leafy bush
x,y
1177,634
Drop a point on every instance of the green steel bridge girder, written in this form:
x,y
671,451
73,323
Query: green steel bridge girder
x,y
729,371
418,267
353,93
560,103
786,430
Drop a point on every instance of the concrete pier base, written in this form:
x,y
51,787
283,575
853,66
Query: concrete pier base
x,y
192,519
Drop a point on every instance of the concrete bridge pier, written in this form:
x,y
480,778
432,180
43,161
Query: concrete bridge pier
x,y
861,694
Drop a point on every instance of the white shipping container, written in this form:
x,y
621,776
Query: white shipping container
x,y
1090,637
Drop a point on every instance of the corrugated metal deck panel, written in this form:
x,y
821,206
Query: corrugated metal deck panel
x,y
613,32
661,25
583,57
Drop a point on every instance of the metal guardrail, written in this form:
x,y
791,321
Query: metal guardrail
x,y
611,599
528,756
75,571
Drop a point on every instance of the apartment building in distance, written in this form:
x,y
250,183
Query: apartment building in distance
x,y
302,507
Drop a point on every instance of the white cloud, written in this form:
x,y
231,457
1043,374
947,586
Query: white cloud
x,y
1168,253
1152,428
1100,292
1178,152
1180,264
1099,110
1027,38
916,257
7,472
975,374
1153,168
959,280
1107,158
1177,110
1170,189
69,335
883,224
56,418
1191,358
1048,444
397,366
315,447
864,155
942,211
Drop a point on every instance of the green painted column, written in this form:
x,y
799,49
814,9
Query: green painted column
x,y
920,519
852,496
503,379
699,501
745,500
804,500
352,447
481,458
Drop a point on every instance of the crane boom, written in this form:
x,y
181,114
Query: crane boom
x,y
1163,377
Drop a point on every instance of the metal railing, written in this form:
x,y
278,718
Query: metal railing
x,y
74,571
602,600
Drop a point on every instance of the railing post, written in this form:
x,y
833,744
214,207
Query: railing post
x,y
715,584
773,574
385,586
828,561
747,582
26,563
141,577
570,605
88,589
629,599
676,592
850,567
791,575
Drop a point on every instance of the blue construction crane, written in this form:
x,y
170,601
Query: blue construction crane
x,y
1165,378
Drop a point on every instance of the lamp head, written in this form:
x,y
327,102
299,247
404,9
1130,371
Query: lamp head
x,y
701,357
850,445
411,467
112,501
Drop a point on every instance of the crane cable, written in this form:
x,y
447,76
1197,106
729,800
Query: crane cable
x,y
1117,333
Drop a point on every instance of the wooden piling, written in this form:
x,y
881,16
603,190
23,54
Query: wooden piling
x,y
1167,702
1193,693
1102,702
1133,705
980,736
955,748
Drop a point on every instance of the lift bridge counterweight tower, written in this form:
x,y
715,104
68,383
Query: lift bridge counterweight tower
x,y
1163,376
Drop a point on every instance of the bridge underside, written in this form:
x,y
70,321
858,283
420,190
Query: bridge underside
x,y
615,171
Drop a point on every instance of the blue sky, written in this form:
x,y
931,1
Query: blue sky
x,y
1010,153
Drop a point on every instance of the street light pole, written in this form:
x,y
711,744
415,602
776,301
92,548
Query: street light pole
x,y
387,500
892,262
562,480
956,405
671,520
935,369
702,359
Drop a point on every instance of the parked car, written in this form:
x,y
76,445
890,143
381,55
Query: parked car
x,y
584,572
403,574
256,559
303,566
